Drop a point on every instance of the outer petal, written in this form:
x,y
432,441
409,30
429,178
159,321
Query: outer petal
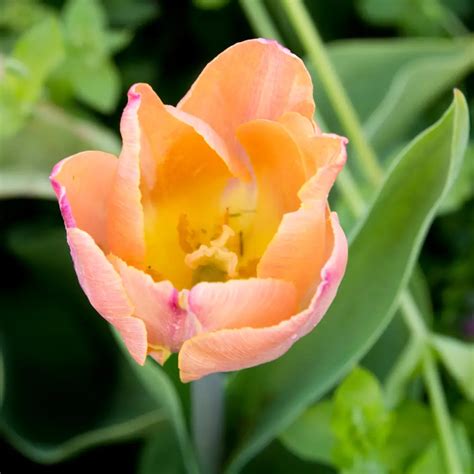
x,y
156,303
82,185
253,79
239,303
299,248
233,349
125,219
103,287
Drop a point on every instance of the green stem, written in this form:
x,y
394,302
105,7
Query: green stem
x,y
414,320
207,411
309,36
259,19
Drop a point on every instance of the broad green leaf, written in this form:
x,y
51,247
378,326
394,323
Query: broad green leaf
x,y
431,460
51,134
382,254
310,437
360,421
383,77
458,358
97,84
67,386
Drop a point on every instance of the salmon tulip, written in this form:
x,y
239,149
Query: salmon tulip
x,y
211,235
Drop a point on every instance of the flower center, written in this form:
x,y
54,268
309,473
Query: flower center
x,y
213,262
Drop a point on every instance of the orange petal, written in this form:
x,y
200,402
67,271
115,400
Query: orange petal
x,y
238,303
298,250
233,349
82,185
280,172
126,228
156,303
105,291
323,154
253,79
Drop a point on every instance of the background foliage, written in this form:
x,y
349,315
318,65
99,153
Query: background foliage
x,y
69,394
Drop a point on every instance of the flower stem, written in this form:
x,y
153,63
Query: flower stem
x,y
207,411
309,36
311,40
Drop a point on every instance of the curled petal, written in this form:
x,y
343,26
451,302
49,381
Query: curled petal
x,y
105,291
82,185
233,349
299,248
253,79
126,228
238,303
157,304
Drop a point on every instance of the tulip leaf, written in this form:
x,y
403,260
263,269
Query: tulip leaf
x,y
67,385
27,158
458,358
382,254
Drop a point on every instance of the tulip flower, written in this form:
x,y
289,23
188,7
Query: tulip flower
x,y
211,235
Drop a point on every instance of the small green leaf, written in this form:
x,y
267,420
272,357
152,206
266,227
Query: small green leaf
x,y
458,358
310,436
96,84
360,421
36,54
382,253
85,27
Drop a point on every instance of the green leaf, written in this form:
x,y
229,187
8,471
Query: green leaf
x,y
458,358
97,84
35,56
51,134
310,436
382,254
360,421
85,27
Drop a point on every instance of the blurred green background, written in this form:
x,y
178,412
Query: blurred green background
x,y
71,397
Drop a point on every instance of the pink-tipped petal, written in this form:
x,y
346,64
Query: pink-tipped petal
x,y
156,303
125,219
82,185
329,153
250,80
238,303
234,349
102,285
298,250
